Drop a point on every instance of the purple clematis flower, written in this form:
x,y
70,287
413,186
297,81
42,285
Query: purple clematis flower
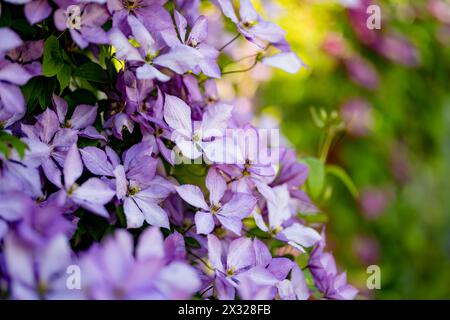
x,y
229,213
10,41
82,119
238,258
189,9
295,288
179,59
57,134
112,271
269,277
22,175
251,160
160,133
286,61
35,224
35,10
195,39
119,119
135,182
92,195
262,281
49,144
28,55
38,272
294,173
326,277
279,213
12,75
13,206
151,13
84,22
193,139
244,267
251,25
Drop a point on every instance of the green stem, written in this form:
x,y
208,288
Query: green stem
x,y
242,70
326,145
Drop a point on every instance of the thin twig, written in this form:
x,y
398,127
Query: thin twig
x,y
242,70
61,34
245,58
230,42
188,228
206,290
197,257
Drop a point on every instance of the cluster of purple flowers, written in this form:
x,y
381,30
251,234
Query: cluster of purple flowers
x,y
97,208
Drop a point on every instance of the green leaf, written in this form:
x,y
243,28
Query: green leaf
x,y
314,218
191,174
63,77
92,72
46,95
4,149
5,16
39,90
343,176
121,216
316,176
53,58
9,141
80,96
192,242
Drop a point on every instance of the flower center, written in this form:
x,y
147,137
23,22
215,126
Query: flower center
x,y
73,17
211,100
42,289
249,23
131,5
159,132
247,166
197,137
230,271
193,43
133,190
150,56
72,189
117,107
215,208
274,232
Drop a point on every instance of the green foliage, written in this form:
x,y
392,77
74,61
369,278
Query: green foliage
x,y
63,77
53,60
9,142
343,176
316,176
92,72
39,91
191,174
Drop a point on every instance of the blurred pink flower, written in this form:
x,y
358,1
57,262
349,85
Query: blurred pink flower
x,y
335,45
366,248
374,201
362,72
357,116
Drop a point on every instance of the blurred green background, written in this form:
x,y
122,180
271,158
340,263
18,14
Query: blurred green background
x,y
391,90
